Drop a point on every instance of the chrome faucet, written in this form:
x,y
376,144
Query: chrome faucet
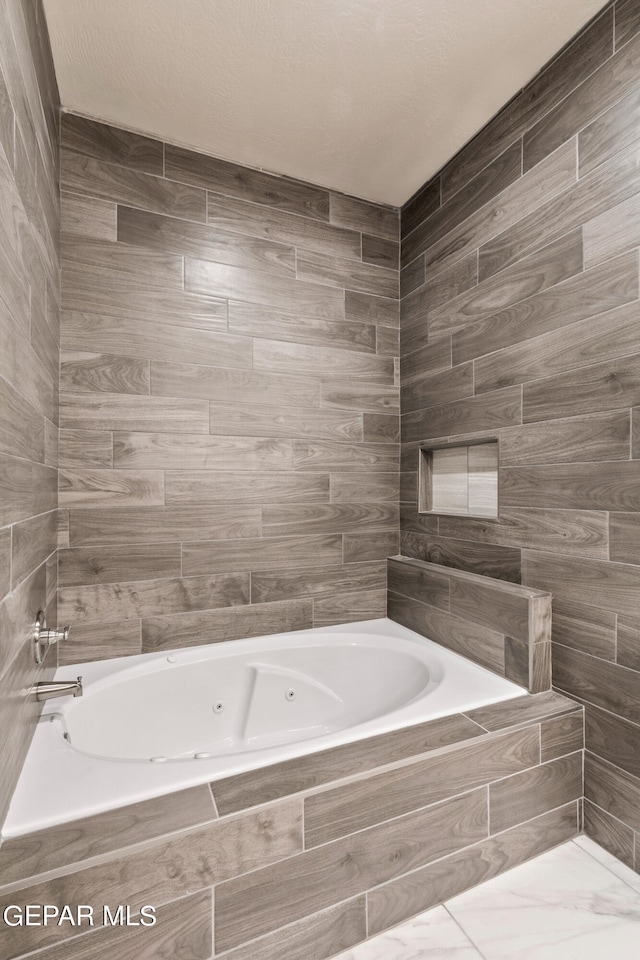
x,y
43,638
47,689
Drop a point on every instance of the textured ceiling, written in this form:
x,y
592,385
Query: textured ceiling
x,y
370,97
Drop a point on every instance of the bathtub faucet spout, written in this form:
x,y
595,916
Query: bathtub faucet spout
x,y
46,690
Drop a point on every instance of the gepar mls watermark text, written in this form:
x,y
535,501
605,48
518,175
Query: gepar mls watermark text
x,y
79,915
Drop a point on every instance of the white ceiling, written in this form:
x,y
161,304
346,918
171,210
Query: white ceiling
x,y
370,97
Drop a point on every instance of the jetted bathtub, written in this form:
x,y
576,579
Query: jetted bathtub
x,y
161,722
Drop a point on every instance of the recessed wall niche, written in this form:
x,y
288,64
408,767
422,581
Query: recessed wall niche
x,y
460,479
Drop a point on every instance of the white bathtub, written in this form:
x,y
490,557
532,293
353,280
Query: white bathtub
x,y
157,723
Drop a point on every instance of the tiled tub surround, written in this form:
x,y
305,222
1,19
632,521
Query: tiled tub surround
x,y
229,403
349,683
520,321
29,362
315,854
499,625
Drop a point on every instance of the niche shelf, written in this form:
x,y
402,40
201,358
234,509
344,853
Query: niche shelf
x,y
459,480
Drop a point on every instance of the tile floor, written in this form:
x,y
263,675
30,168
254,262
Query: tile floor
x,y
575,902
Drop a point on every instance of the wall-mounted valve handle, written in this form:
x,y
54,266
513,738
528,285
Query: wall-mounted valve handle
x,y
43,638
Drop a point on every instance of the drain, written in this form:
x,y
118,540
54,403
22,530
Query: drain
x,y
218,706
290,694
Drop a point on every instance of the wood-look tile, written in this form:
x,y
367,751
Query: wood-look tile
x,y
420,206
609,833
516,661
244,183
5,562
612,789
344,810
293,583
320,935
611,737
381,252
610,132
590,99
103,373
239,283
257,220
526,709
603,436
572,532
226,623
213,486
499,607
269,898
66,844
477,643
610,586
19,363
369,546
106,181
21,426
347,274
554,175
87,217
413,522
125,525
369,309
6,119
26,489
573,486
446,386
486,559
303,519
501,408
609,184
534,792
426,360
367,487
249,420
232,385
85,449
576,62
16,624
126,413
338,608
365,397
415,308
627,22
141,561
248,319
168,869
379,428
584,627
170,451
420,582
122,488
615,335
612,232
609,686
491,181
336,456
206,242
111,144
387,341
372,218
275,356
628,642
623,528
32,541
561,736
88,263
558,261
393,902
230,556
141,598
304,773
181,928
161,341
611,385
413,276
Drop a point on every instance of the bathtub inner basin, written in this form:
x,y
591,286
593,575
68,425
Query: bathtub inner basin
x,y
185,709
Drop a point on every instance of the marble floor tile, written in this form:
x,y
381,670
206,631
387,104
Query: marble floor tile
x,y
607,859
564,905
433,935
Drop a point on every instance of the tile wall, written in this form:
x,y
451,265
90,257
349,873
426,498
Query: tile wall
x,y
29,335
229,398
306,858
521,321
